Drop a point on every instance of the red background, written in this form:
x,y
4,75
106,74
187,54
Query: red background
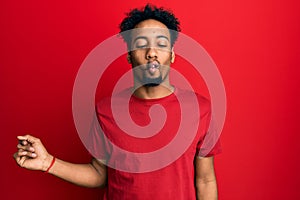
x,y
255,44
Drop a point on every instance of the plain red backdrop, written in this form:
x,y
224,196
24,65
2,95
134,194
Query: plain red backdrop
x,y
255,44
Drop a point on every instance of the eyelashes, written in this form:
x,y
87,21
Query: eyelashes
x,y
142,44
146,46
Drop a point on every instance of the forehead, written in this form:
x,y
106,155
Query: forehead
x,y
150,28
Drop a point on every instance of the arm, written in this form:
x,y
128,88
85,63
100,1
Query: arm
x,y
33,155
205,179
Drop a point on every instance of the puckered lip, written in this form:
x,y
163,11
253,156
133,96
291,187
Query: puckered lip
x,y
153,64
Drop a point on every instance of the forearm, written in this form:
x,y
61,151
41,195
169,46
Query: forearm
x,y
80,174
207,190
205,179
33,155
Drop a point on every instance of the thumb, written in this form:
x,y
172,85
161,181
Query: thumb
x,y
29,138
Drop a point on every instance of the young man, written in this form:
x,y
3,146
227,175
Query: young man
x,y
190,176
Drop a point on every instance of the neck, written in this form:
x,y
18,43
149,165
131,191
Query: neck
x,y
153,92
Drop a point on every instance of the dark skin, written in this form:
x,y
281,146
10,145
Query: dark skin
x,y
151,58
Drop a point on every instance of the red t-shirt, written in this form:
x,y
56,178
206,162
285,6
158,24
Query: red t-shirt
x,y
156,166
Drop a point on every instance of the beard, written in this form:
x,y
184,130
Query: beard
x,y
148,77
152,82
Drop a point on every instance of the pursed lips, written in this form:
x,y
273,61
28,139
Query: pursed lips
x,y
152,67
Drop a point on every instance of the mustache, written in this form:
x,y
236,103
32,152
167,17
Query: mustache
x,y
153,64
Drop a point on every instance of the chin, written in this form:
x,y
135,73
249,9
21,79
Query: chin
x,y
152,82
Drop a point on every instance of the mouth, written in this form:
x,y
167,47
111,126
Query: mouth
x,y
152,67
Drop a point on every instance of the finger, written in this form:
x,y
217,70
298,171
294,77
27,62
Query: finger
x,y
26,148
28,138
22,152
22,160
16,156
19,159
23,142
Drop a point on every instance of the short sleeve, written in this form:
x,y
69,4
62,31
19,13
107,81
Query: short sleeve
x,y
96,141
210,144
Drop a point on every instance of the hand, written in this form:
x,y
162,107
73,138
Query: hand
x,y
32,154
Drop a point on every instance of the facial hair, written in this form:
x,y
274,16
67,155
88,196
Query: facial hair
x,y
152,82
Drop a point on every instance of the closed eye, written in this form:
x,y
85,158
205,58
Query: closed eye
x,y
162,45
141,46
140,43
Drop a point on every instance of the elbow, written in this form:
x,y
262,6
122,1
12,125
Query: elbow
x,y
96,181
96,184
99,177
203,181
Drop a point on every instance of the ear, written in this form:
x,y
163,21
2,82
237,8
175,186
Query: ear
x,y
172,56
129,58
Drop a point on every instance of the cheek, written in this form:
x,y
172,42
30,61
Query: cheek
x,y
165,69
137,58
167,59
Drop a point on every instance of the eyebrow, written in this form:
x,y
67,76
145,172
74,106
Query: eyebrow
x,y
144,37
162,36
139,37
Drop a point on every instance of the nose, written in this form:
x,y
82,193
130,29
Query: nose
x,y
151,53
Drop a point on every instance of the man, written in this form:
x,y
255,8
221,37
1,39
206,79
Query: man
x,y
191,176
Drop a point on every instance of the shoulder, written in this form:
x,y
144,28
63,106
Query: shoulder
x,y
117,98
189,96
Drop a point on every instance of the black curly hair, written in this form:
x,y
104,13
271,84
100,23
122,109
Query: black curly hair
x,y
136,16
